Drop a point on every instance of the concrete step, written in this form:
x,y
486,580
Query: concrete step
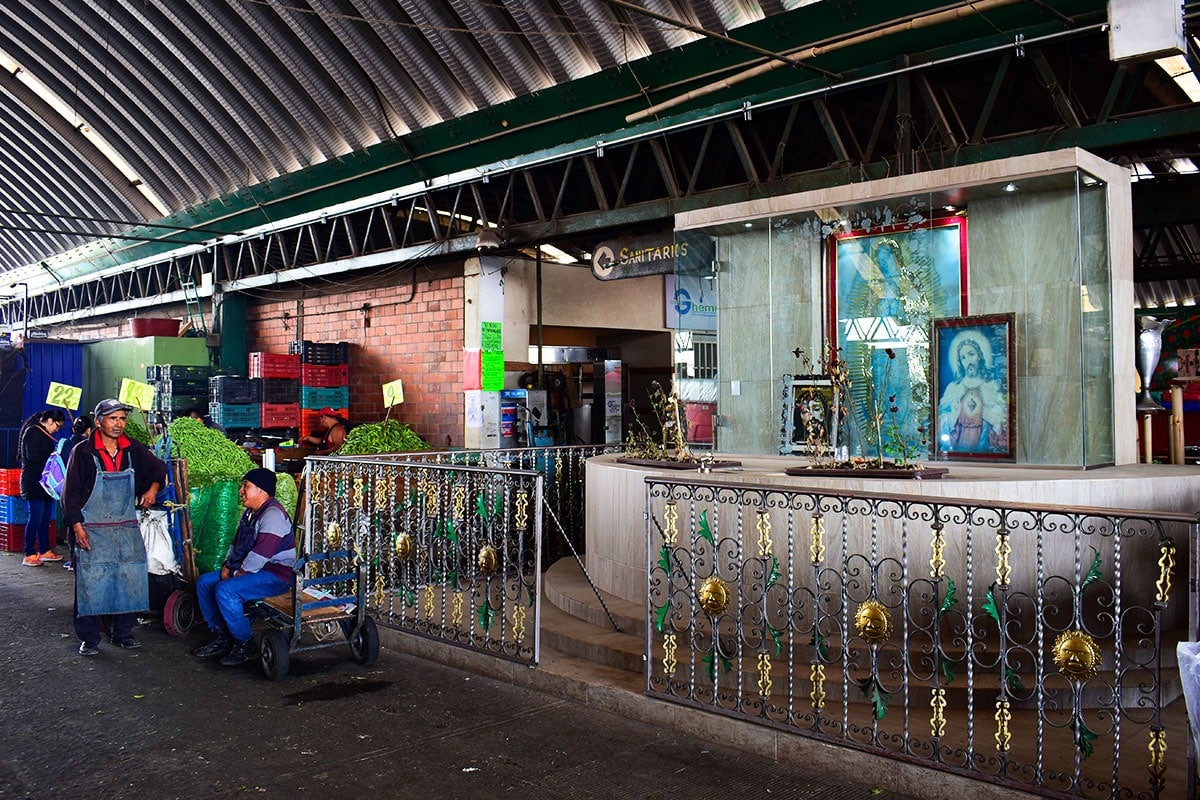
x,y
575,623
568,589
581,639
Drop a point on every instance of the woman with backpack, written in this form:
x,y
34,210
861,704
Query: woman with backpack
x,y
37,443
81,429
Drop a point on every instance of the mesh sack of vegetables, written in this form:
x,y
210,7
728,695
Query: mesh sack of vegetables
x,y
197,507
215,533
286,493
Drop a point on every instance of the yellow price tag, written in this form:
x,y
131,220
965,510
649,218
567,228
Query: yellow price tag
x,y
136,394
63,396
393,393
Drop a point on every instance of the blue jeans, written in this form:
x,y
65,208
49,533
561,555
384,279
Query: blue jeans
x,y
222,602
37,532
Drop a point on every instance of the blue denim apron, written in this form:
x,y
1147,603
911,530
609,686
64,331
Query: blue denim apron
x,y
111,577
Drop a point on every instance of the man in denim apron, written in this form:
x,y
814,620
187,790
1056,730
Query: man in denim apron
x,y
109,477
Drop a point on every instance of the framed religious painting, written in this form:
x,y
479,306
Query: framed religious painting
x,y
809,420
974,403
886,285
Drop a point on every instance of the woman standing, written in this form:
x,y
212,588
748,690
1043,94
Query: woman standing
x,y
36,444
81,429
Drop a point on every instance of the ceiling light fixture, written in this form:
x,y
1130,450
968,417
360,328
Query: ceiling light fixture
x,y
1010,187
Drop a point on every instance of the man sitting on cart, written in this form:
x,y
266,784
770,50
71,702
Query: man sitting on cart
x,y
259,564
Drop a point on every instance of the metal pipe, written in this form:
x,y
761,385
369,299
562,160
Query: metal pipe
x,y
916,23
538,291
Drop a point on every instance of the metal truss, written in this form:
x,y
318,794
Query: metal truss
x,y
950,110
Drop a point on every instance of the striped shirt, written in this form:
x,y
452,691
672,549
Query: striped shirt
x,y
264,540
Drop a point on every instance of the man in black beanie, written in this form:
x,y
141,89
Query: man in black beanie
x,y
258,564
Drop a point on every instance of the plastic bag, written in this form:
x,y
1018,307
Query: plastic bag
x,y
1188,655
54,472
156,535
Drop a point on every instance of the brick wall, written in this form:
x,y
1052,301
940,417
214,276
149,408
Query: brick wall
x,y
406,332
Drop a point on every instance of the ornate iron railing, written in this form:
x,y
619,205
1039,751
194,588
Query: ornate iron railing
x,y
452,551
564,487
1029,646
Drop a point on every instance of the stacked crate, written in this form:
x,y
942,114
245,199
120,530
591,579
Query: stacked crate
x,y
234,402
324,380
178,388
278,377
14,513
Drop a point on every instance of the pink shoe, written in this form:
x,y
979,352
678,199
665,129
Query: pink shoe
x,y
50,555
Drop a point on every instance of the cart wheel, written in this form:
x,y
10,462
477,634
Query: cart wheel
x,y
273,654
179,612
364,642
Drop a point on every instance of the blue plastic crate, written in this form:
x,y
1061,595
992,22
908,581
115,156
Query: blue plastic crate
x,y
14,510
235,415
234,389
314,397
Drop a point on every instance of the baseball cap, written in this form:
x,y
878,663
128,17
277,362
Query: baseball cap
x,y
327,412
109,406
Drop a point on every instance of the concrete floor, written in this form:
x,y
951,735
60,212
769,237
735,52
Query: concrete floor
x,y
156,723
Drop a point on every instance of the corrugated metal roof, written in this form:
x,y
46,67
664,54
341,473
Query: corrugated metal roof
x,y
211,103
202,98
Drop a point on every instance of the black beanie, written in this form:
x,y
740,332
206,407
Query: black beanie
x,y
263,478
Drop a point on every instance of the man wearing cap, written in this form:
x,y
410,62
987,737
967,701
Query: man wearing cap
x,y
331,435
258,564
109,477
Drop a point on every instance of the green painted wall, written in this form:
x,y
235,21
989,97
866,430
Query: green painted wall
x,y
106,363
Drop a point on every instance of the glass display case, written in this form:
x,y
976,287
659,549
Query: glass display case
x,y
852,281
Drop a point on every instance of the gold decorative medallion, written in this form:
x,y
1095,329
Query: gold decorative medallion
x,y
937,564
1003,735
1158,754
873,621
669,647
522,515
1076,655
937,724
817,676
763,526
404,546
518,622
764,674
1166,563
671,515
817,532
487,560
1003,551
714,595
333,535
